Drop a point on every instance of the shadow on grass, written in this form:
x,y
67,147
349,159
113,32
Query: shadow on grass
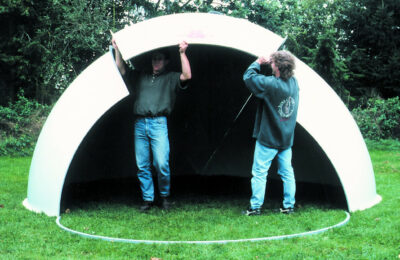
x,y
189,190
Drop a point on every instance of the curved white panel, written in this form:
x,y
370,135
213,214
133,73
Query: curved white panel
x,y
89,96
326,118
100,86
199,28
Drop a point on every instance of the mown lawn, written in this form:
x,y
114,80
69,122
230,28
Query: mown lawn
x,y
370,234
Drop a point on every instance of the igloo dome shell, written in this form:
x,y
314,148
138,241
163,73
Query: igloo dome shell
x,y
328,149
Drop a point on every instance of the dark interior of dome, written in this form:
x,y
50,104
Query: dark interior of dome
x,y
210,137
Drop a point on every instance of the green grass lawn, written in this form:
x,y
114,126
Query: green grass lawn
x,y
370,234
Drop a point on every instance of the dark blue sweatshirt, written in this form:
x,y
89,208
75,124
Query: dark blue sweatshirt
x,y
277,109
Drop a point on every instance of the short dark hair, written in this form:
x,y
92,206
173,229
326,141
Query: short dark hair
x,y
164,52
284,60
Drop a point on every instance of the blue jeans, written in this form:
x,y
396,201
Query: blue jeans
x,y
263,157
151,142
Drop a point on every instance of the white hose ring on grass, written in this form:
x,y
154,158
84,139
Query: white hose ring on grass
x,y
137,241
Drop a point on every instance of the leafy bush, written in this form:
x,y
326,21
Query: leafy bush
x,y
379,118
20,125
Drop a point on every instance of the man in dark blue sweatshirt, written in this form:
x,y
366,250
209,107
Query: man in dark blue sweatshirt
x,y
278,97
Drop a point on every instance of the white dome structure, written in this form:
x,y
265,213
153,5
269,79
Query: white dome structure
x,y
329,148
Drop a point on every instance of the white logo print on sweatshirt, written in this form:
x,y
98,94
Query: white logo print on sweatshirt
x,y
286,107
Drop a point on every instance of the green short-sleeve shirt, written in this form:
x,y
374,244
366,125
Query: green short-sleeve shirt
x,y
154,95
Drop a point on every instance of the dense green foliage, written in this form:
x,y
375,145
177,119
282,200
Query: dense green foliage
x,y
379,119
20,123
46,44
370,234
369,40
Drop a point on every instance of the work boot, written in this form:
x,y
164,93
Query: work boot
x,y
147,205
165,204
252,212
287,210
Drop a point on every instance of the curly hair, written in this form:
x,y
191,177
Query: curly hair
x,y
285,63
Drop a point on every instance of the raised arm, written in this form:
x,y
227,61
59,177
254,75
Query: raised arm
x,y
263,60
118,58
254,80
186,71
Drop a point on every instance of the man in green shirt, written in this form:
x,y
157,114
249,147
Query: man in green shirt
x,y
154,99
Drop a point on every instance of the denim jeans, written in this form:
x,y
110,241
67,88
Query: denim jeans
x,y
151,142
263,157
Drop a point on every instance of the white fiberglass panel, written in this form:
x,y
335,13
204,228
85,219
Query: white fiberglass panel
x,y
89,96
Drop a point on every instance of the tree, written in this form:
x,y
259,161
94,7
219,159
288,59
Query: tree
x,y
74,34
329,64
19,51
46,44
370,41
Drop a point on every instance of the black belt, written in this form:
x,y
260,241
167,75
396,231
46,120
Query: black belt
x,y
150,116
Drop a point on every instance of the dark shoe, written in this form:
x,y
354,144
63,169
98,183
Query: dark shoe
x,y
165,204
252,212
286,210
147,205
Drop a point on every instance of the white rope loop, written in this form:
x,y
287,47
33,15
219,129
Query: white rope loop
x,y
137,241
